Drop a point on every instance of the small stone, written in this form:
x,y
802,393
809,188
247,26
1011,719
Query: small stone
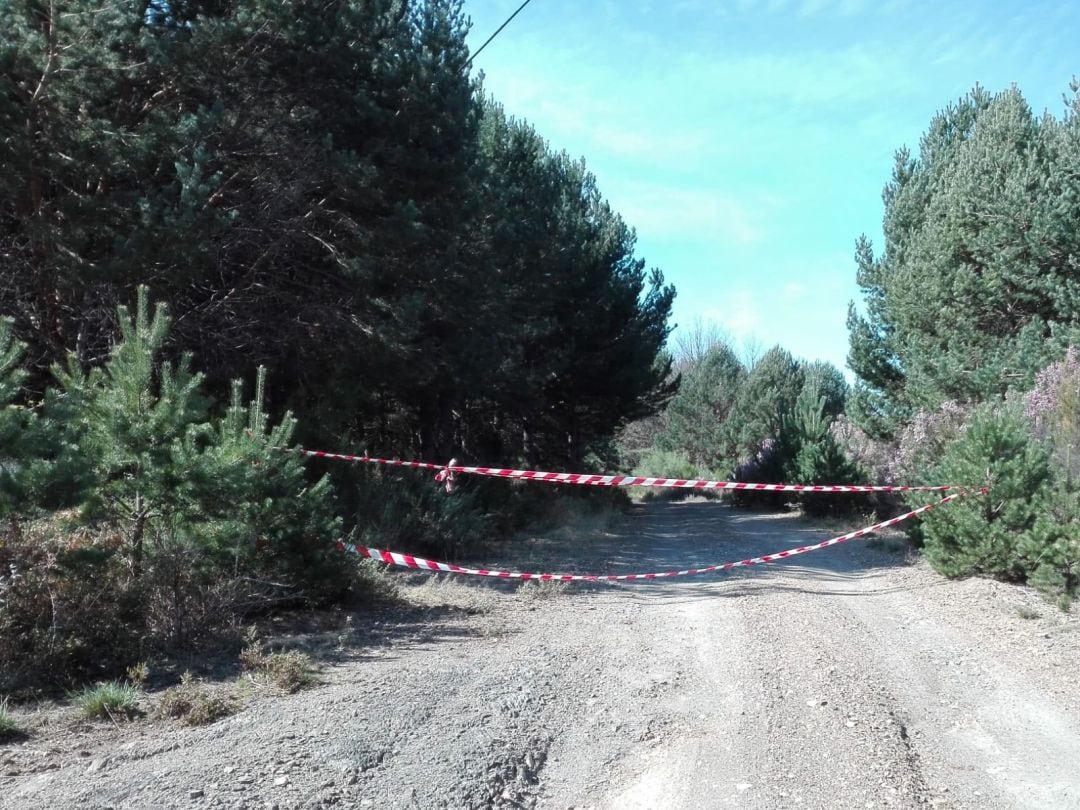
x,y
96,765
281,780
195,794
245,779
229,769
743,786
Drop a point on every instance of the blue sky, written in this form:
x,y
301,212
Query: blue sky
x,y
748,141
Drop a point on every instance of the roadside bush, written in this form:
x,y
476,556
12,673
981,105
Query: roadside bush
x,y
804,452
987,535
108,700
873,457
765,466
69,610
874,460
289,671
9,724
1053,406
671,464
817,458
260,521
181,523
197,704
923,441
403,513
1051,550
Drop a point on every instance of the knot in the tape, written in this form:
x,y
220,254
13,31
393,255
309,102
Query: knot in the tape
x,y
447,474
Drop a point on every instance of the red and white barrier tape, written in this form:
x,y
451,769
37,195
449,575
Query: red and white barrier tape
x,y
422,564
610,480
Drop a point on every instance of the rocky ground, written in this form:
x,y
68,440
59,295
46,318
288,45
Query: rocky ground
x,y
852,677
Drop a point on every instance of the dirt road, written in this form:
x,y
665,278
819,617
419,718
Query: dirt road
x,y
849,678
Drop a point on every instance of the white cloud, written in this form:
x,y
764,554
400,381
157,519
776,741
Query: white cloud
x,y
739,315
708,215
793,291
807,77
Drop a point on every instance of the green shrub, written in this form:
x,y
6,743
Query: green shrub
x,y
816,458
1050,551
9,725
417,516
110,699
986,535
261,520
670,464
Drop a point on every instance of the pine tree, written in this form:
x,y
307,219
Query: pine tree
x,y
812,455
767,396
700,424
975,290
16,423
984,534
125,418
1051,549
258,518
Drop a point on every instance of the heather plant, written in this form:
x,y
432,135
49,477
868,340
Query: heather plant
x,y
765,466
1053,406
874,457
922,442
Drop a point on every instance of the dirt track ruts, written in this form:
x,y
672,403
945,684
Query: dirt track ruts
x,y
852,677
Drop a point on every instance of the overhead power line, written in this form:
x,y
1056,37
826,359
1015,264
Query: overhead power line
x,y
497,32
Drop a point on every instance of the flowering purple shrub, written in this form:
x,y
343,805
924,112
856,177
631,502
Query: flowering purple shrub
x,y
906,460
1053,406
925,439
765,466
872,456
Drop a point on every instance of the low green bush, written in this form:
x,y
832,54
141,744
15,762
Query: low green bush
x,y
111,699
9,724
670,464
983,535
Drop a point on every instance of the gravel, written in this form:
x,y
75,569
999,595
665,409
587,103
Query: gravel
x,y
852,677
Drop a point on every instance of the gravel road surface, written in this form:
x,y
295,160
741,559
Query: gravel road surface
x,y
852,677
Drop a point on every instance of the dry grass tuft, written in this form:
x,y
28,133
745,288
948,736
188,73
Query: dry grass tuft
x,y
197,704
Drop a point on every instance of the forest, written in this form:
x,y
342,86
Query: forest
x,y
963,350
230,227
319,200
